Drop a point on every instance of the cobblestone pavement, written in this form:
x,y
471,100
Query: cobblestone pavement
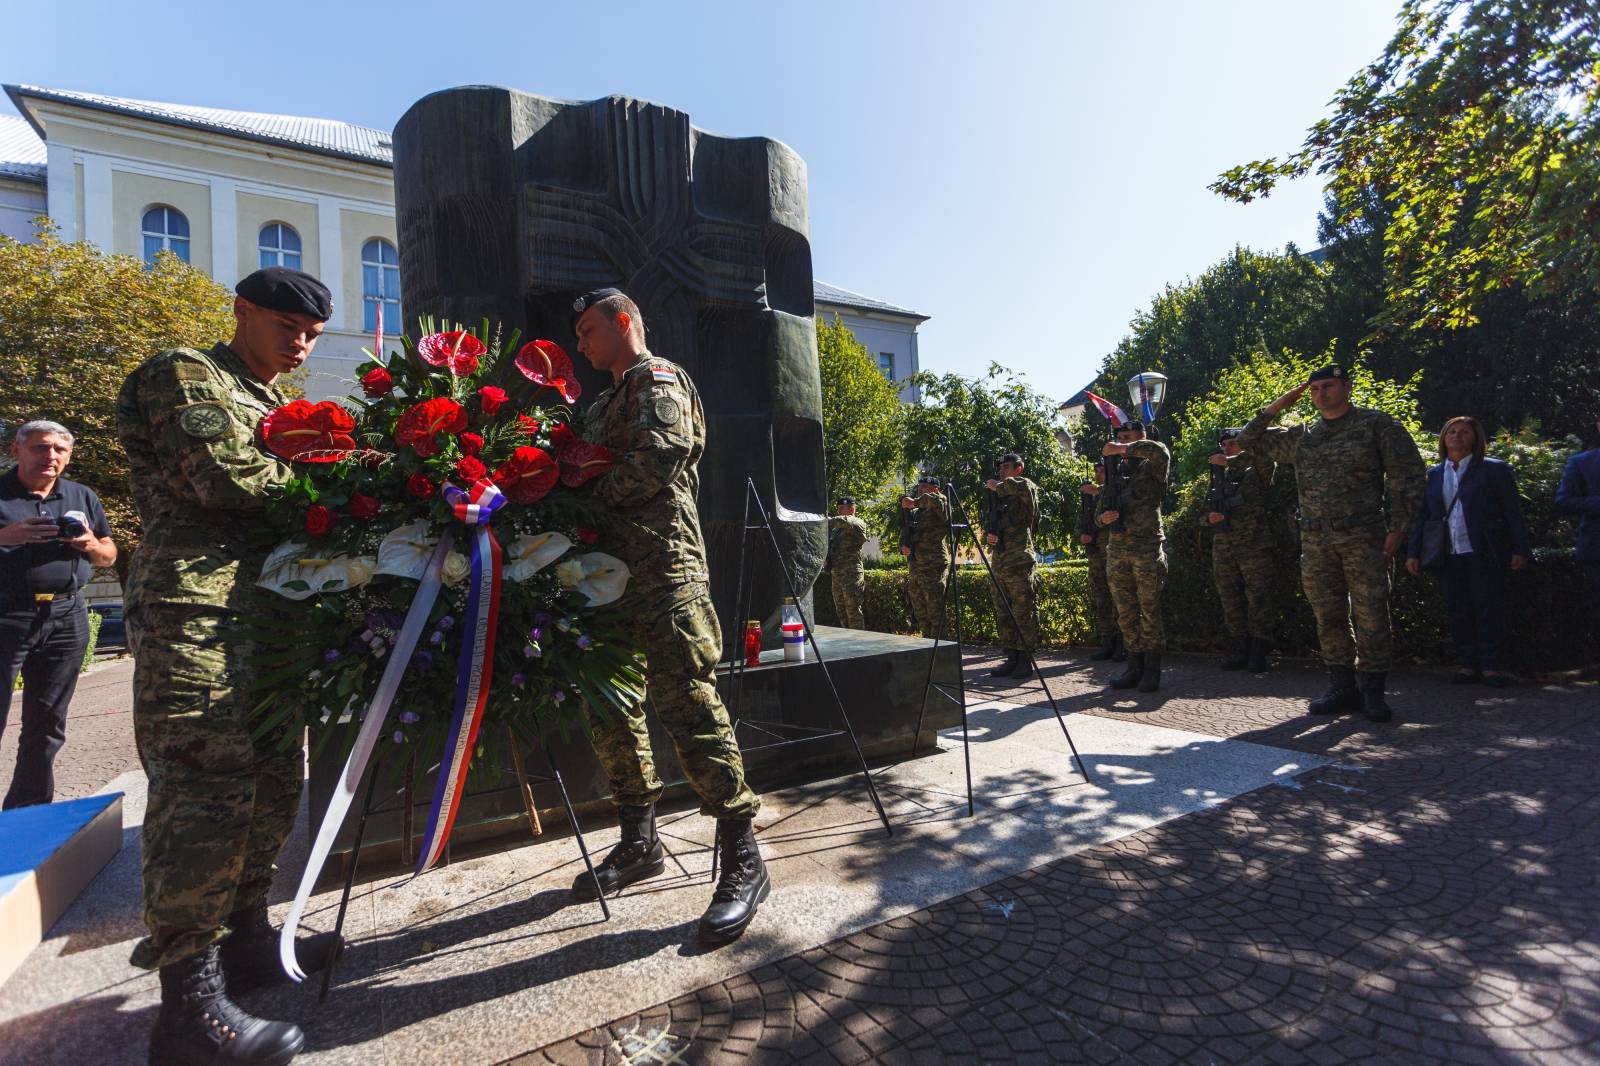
x,y
1430,897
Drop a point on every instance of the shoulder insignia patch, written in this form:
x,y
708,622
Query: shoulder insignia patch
x,y
204,421
667,410
189,372
664,374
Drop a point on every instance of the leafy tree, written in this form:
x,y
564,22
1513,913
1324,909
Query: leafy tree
x,y
861,415
74,322
1479,127
964,425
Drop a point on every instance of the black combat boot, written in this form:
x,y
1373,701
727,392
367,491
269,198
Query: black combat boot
x,y
1108,648
1150,677
1236,659
1024,667
741,888
1005,668
1374,707
637,856
250,953
1341,697
1130,677
200,1026
1258,655
1122,650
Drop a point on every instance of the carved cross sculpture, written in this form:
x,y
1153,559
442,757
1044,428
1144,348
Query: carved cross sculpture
x,y
510,205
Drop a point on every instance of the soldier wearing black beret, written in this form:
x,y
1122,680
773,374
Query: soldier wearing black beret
x,y
847,535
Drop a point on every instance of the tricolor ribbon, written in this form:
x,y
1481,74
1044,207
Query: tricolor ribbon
x,y
475,507
1146,408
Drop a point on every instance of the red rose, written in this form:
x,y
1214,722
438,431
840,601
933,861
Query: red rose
x,y
528,476
471,443
471,470
587,534
419,486
546,363
422,425
377,382
561,433
457,349
490,399
306,432
362,506
320,519
582,462
529,426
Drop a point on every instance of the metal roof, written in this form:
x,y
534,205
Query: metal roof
x,y
324,136
22,154
834,296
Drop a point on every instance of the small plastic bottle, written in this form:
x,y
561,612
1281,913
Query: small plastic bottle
x,y
794,633
752,642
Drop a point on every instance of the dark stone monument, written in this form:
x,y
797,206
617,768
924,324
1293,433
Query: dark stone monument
x,y
510,205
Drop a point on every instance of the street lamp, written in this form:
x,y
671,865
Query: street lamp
x,y
1147,389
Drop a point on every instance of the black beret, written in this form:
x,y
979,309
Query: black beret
x,y
1333,371
294,292
1011,457
846,501
1132,423
589,299
1231,433
928,477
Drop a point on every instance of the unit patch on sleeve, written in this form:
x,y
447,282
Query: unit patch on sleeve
x,y
204,421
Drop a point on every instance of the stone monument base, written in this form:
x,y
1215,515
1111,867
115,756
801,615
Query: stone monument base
x,y
880,678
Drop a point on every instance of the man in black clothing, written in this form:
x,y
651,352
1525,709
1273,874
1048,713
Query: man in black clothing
x,y
52,533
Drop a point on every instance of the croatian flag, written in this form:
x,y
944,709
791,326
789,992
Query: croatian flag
x,y
1114,414
1146,408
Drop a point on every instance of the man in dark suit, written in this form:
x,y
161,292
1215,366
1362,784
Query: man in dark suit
x,y
1579,494
1475,497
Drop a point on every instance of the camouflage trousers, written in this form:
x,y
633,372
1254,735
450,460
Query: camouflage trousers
x,y
849,590
1100,603
925,585
1346,581
682,643
1136,575
1243,569
221,803
1016,577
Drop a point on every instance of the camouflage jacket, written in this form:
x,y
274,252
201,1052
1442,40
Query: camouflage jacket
x,y
1019,513
1244,496
930,531
847,534
1343,467
188,421
1143,471
652,419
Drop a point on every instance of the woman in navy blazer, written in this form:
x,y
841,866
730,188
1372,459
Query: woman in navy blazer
x,y
1484,536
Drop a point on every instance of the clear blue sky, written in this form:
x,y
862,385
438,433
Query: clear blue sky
x,y
1029,175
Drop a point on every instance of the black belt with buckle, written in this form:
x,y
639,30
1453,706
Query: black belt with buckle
x,y
37,601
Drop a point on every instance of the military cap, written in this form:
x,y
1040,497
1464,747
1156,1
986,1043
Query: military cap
x,y
1231,433
1333,371
1132,423
846,501
295,292
589,299
927,477
1011,457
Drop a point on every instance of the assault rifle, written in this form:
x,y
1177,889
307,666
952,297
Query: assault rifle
x,y
1217,493
994,513
905,523
835,534
1112,492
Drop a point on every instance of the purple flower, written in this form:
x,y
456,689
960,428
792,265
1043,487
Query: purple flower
x,y
531,651
436,637
366,634
585,642
399,737
447,622
542,619
558,696
331,655
518,680
409,717
536,634
421,661
564,624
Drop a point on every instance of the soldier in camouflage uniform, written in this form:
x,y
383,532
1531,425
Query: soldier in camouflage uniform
x,y
1136,559
1092,537
1241,552
221,802
1343,464
846,536
1016,583
929,555
652,419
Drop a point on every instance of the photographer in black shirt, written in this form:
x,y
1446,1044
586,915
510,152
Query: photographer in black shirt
x,y
53,532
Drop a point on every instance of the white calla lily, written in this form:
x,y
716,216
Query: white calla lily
x,y
570,572
293,572
529,554
604,578
405,551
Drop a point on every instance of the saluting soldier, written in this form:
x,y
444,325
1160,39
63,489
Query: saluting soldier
x,y
929,554
1136,558
652,419
1241,551
1015,567
222,802
1345,463
1092,537
847,534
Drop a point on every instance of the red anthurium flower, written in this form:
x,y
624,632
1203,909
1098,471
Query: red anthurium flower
x,y
422,425
490,399
587,534
545,363
320,519
528,475
308,432
561,433
377,382
362,506
529,426
470,469
582,462
457,349
471,443
419,486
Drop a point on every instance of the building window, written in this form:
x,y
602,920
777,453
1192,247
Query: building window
x,y
165,230
279,245
886,364
380,285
